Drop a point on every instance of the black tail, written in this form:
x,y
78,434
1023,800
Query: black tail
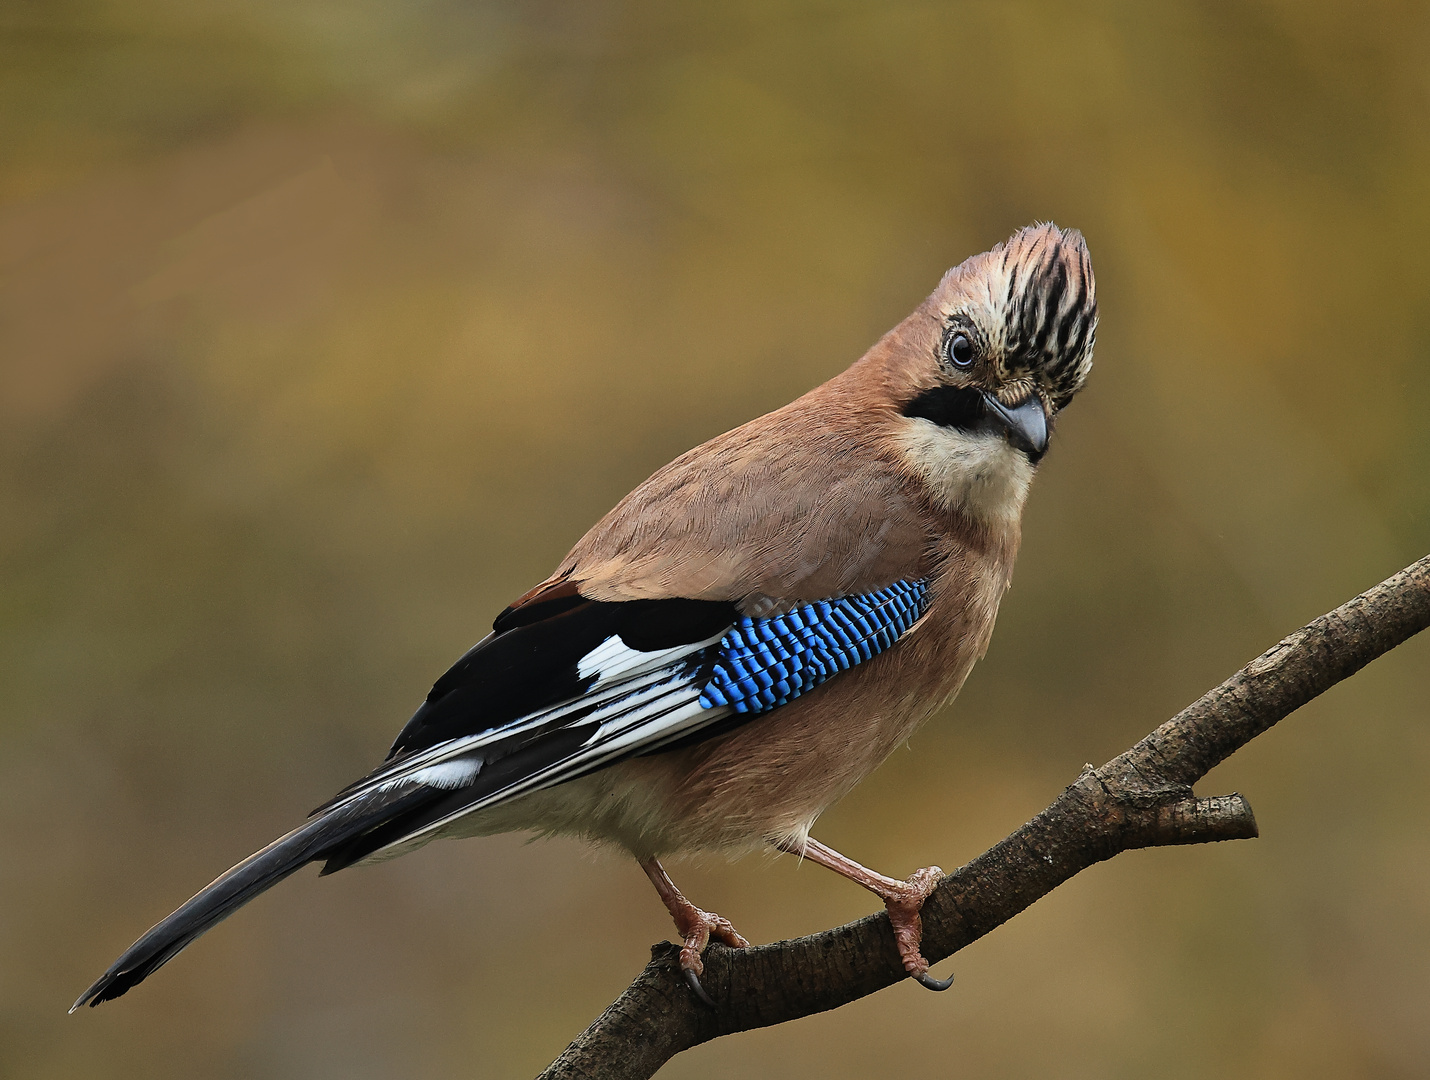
x,y
257,873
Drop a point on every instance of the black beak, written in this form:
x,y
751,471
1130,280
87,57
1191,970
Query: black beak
x,y
1027,424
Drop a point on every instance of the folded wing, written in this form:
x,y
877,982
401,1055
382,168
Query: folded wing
x,y
644,676
563,686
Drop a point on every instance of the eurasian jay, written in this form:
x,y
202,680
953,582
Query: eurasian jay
x,y
749,632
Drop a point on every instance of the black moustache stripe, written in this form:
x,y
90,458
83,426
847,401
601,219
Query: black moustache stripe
x,y
958,407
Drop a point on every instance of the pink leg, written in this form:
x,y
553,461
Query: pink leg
x,y
902,899
696,927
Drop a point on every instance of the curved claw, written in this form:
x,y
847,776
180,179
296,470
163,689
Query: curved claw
x,y
934,984
692,980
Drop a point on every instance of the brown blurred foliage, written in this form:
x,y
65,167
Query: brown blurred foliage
x,y
326,328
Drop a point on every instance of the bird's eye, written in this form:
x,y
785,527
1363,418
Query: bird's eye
x,y
960,350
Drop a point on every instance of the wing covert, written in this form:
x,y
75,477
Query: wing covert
x,y
765,663
615,680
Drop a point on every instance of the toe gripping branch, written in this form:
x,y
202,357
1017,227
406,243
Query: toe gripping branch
x,y
1120,812
692,980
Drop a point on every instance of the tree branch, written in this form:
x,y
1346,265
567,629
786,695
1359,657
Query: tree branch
x,y
1141,798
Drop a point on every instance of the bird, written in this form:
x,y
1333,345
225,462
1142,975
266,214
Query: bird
x,y
747,634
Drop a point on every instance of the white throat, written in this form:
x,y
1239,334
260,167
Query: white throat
x,y
982,474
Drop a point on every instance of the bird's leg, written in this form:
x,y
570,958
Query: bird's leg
x,y
696,927
903,899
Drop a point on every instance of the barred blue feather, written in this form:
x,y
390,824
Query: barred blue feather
x,y
765,663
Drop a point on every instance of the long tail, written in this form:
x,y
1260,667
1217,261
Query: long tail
x,y
231,890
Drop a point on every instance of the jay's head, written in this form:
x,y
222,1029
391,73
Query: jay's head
x,y
989,360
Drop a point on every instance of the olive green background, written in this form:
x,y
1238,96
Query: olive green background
x,y
326,328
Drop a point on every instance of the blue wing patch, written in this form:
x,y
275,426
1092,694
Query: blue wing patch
x,y
765,663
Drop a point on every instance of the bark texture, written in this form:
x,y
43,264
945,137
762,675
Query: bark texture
x,y
1141,798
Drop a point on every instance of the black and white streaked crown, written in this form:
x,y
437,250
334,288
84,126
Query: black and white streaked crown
x,y
1050,308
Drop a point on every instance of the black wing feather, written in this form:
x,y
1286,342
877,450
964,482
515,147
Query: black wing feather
x,y
532,663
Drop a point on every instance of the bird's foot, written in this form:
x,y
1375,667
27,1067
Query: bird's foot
x,y
904,900
696,929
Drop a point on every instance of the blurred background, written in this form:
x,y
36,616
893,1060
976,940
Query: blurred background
x,y
326,328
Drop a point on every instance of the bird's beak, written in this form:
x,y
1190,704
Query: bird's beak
x,y
1027,424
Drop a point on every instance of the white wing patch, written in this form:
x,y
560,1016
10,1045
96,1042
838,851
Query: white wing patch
x,y
639,701
613,660
447,774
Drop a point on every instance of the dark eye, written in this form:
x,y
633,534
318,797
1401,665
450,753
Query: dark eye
x,y
960,350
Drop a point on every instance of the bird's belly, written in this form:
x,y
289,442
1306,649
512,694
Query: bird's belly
x,y
769,779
